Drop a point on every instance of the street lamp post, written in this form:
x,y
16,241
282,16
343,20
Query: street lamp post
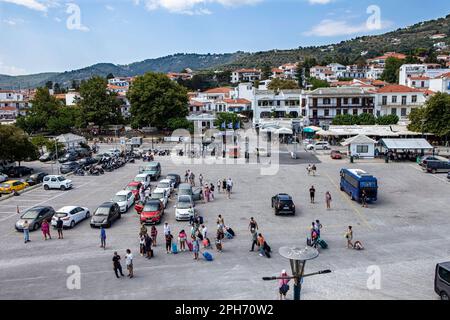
x,y
298,258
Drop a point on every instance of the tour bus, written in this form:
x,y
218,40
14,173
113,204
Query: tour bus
x,y
355,181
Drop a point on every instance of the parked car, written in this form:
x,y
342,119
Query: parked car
x,y
36,178
448,176
134,187
125,200
114,152
57,182
160,194
442,280
82,152
153,169
105,215
437,166
186,189
143,178
69,156
35,216
184,208
71,216
48,156
12,186
151,212
175,178
283,203
69,167
19,172
3,177
87,161
424,160
321,145
336,155
166,185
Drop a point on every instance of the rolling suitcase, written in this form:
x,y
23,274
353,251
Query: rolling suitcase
x,y
190,246
174,248
322,244
228,235
208,256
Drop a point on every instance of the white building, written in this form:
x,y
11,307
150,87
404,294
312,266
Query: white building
x,y
419,70
441,83
418,82
398,100
245,75
268,103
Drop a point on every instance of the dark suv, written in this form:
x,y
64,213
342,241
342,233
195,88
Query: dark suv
x,y
282,203
105,215
19,172
442,280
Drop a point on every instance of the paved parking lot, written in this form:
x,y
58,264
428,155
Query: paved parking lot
x,y
405,234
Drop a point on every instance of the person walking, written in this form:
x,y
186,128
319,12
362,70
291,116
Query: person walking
x,y
102,237
252,226
129,263
364,199
314,169
147,193
186,176
195,247
148,246
205,194
318,227
200,179
312,193
328,199
204,231
309,169
182,238
219,246
349,237
219,185
154,234
117,267
169,238
166,229
193,179
142,194
261,242
143,231
142,245
59,227
45,228
254,240
224,185
283,285
221,221
26,231
211,192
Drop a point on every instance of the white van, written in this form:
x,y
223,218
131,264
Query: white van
x,y
57,182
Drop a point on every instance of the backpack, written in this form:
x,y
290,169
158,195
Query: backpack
x,y
200,220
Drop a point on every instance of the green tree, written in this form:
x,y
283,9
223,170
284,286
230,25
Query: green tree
x,y
391,70
317,83
266,71
110,76
97,104
366,119
344,120
45,106
281,84
16,146
180,123
225,118
155,99
434,117
387,120
49,85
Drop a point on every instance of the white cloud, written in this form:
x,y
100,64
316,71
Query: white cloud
x,y
191,7
11,70
13,22
331,28
30,4
110,8
320,1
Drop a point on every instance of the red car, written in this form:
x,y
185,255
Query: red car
x,y
337,155
134,187
151,212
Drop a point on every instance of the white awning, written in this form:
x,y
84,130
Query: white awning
x,y
410,144
284,131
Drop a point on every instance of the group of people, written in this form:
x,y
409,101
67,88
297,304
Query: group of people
x,y
223,185
311,169
258,239
117,266
312,196
45,228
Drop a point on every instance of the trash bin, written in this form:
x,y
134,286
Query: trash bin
x,y
352,159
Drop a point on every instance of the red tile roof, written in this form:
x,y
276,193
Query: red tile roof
x,y
247,70
396,88
8,109
219,90
237,101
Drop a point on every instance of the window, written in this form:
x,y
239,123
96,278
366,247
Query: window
x,y
414,83
345,100
345,111
403,112
422,84
444,274
404,100
355,101
327,101
327,112
384,100
338,112
362,149
394,99
314,113
414,99
394,111
355,112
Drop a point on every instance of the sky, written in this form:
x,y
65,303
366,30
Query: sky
x,y
63,35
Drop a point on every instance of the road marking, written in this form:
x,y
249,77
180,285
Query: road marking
x,y
355,208
429,174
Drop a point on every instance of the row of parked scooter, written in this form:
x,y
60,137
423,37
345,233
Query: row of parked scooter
x,y
106,164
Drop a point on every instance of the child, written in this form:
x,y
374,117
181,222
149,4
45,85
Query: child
x,y
154,234
182,237
142,245
219,245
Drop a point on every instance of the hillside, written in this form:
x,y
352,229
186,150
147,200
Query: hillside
x,y
404,40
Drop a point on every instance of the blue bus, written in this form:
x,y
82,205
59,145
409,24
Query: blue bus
x,y
355,181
